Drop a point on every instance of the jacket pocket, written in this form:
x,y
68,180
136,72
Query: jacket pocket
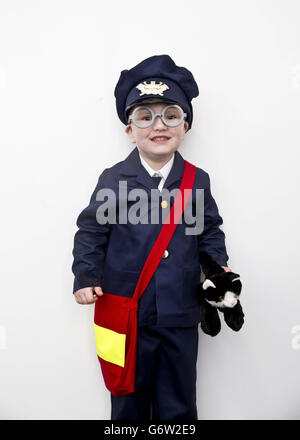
x,y
119,282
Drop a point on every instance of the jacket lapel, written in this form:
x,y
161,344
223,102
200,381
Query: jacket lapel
x,y
133,167
176,173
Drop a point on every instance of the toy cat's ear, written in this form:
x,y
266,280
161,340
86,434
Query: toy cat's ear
x,y
207,283
232,276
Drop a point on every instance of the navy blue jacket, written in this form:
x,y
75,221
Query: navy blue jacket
x,y
112,255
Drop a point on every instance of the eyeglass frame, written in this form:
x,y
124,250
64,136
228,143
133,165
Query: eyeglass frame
x,y
184,115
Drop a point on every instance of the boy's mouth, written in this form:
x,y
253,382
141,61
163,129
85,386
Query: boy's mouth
x,y
160,139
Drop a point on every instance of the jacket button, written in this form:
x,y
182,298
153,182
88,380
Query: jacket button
x,y
164,204
166,254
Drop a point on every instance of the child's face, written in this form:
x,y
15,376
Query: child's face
x,y
144,137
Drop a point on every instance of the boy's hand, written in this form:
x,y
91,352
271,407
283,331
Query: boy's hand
x,y
88,295
227,269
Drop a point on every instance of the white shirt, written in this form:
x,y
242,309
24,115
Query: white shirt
x,y
163,172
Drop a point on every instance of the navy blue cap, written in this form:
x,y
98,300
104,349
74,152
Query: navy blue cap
x,y
155,77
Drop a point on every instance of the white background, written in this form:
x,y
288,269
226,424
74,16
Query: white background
x,y
59,64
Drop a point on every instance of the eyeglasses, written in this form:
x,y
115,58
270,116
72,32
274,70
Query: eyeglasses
x,y
143,116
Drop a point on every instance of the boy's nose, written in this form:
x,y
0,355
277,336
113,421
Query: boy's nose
x,y
158,123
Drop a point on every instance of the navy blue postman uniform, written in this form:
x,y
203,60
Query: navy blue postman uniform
x,y
112,256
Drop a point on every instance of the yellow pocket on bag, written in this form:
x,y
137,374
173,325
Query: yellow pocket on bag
x,y
110,345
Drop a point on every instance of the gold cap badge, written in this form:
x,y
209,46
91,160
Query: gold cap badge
x,y
152,88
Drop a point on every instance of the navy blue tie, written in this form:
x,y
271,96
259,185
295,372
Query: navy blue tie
x,y
156,180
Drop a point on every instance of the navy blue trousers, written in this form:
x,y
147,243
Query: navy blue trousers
x,y
165,378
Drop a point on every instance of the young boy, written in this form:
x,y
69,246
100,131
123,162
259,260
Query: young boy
x,y
153,100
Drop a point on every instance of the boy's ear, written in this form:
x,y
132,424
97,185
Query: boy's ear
x,y
128,130
186,126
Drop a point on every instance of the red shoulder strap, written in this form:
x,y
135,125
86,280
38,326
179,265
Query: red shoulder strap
x,y
167,230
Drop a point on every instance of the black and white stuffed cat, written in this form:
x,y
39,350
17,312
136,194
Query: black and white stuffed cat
x,y
220,291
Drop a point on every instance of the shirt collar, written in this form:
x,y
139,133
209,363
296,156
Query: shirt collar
x,y
164,171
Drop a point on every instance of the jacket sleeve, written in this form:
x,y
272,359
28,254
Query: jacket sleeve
x,y
90,242
212,238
